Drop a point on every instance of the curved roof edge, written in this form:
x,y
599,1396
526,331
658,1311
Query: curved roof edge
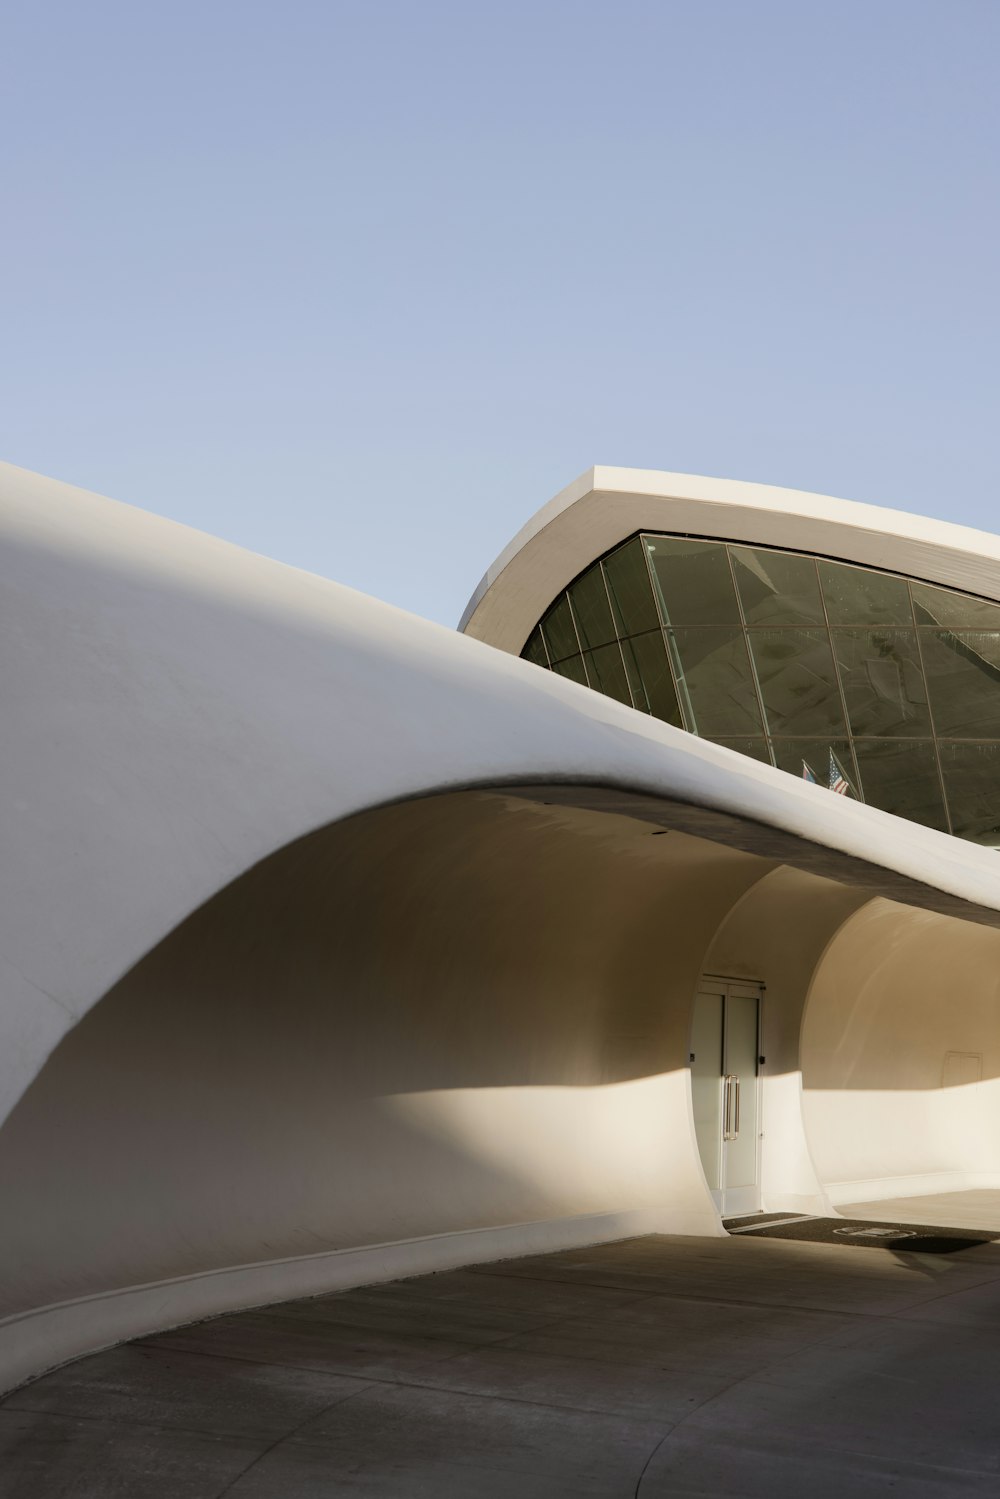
x,y
605,506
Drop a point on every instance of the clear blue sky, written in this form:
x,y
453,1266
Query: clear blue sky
x,y
360,284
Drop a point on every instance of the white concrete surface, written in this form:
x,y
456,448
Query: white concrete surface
x,y
607,505
300,983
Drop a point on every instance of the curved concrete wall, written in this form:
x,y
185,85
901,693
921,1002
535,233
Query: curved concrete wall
x,y
176,709
903,1013
460,1014
286,1005
778,935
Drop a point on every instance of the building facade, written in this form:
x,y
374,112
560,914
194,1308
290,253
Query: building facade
x,y
337,947
882,686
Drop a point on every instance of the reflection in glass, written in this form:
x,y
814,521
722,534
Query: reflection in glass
x,y
798,682
963,682
901,776
971,777
717,683
559,631
777,588
535,648
649,676
901,686
694,581
607,672
631,590
855,596
882,681
756,749
592,610
824,760
572,667
940,606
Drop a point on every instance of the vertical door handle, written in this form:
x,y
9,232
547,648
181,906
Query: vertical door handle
x,y
730,1107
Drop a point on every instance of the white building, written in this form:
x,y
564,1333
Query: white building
x,y
337,946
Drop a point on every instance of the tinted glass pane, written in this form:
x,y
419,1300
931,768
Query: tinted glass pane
x,y
963,679
777,588
560,635
607,674
883,682
591,609
939,606
756,748
572,667
855,596
902,777
716,683
971,779
694,581
825,761
649,675
798,683
631,590
534,650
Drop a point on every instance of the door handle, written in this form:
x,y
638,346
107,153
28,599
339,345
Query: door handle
x,y
730,1106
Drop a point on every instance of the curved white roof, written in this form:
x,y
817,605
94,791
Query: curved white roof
x,y
175,709
605,506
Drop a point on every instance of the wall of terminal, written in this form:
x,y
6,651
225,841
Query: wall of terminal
x,y
458,1029
879,686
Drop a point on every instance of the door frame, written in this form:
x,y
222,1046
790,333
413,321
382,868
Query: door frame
x,y
735,1202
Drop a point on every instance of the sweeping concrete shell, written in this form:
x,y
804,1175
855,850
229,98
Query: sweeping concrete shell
x,y
336,946
855,675
605,505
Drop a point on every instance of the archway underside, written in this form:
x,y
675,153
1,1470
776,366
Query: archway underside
x,y
450,1029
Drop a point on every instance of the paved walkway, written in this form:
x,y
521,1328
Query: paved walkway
x,y
656,1367
978,1209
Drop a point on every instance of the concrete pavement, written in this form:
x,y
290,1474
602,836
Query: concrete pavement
x,y
653,1367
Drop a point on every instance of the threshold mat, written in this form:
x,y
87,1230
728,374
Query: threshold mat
x,y
862,1233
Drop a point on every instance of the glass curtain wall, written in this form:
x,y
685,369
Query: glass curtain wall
x,y
876,686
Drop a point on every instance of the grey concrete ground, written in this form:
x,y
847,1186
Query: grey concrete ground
x,y
660,1366
977,1209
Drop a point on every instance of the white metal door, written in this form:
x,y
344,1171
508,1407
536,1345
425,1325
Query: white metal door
x,y
725,1091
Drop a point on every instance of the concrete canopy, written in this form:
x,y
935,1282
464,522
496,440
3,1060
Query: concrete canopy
x,y
335,945
606,505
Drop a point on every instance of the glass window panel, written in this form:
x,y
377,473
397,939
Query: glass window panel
x,y
798,681
694,581
883,682
855,596
631,590
962,669
901,776
825,760
971,778
572,667
559,631
591,609
649,674
756,748
777,588
716,682
942,606
607,673
534,650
